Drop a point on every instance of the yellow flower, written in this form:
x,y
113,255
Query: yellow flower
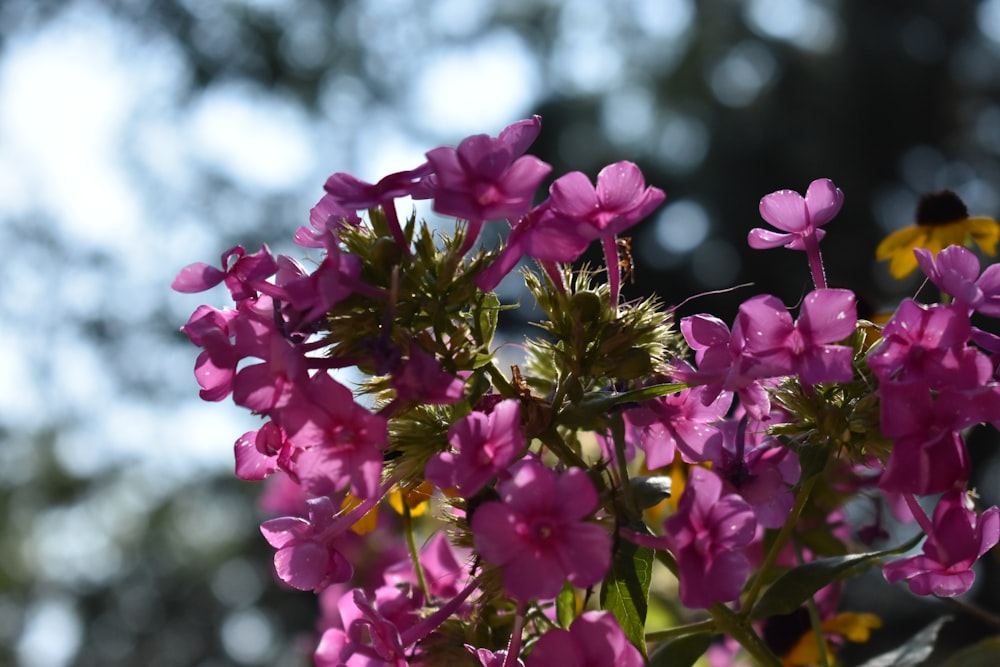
x,y
942,220
851,626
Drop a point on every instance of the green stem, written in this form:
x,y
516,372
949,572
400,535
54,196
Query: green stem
x,y
814,619
618,436
411,544
779,542
739,628
707,625
550,438
501,383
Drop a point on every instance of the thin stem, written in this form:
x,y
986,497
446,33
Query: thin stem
x,y
918,513
981,614
814,619
614,269
411,544
618,436
739,629
514,647
779,542
815,260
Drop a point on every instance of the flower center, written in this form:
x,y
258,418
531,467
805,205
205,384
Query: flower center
x,y
940,208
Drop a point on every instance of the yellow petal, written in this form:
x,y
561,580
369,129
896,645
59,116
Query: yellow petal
x,y
365,524
854,627
985,232
901,239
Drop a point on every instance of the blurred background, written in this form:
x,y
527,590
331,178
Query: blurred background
x,y
137,136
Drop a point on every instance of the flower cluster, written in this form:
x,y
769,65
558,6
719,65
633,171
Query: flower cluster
x,y
723,452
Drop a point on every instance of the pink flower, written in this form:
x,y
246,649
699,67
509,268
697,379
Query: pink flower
x,y
306,556
484,446
722,364
928,454
340,442
955,271
797,216
487,178
242,273
683,421
581,212
594,639
538,532
960,537
707,537
802,347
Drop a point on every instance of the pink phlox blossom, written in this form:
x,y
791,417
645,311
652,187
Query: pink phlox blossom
x,y
442,565
339,442
484,446
538,235
684,421
215,366
260,453
960,538
619,200
422,378
594,639
955,271
928,344
354,194
325,219
722,364
307,557
796,216
538,532
804,347
366,639
708,536
269,386
928,453
488,178
311,295
243,274
757,468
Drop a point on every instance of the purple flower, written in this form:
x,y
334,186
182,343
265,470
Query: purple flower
x,y
484,446
928,453
797,216
828,315
722,364
707,537
928,344
340,442
959,538
581,212
538,532
955,271
306,557
682,421
487,178
594,639
243,274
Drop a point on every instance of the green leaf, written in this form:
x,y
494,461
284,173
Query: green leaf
x,y
681,652
487,316
915,651
566,605
797,585
983,654
625,591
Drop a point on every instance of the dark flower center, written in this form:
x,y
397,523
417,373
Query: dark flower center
x,y
940,208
